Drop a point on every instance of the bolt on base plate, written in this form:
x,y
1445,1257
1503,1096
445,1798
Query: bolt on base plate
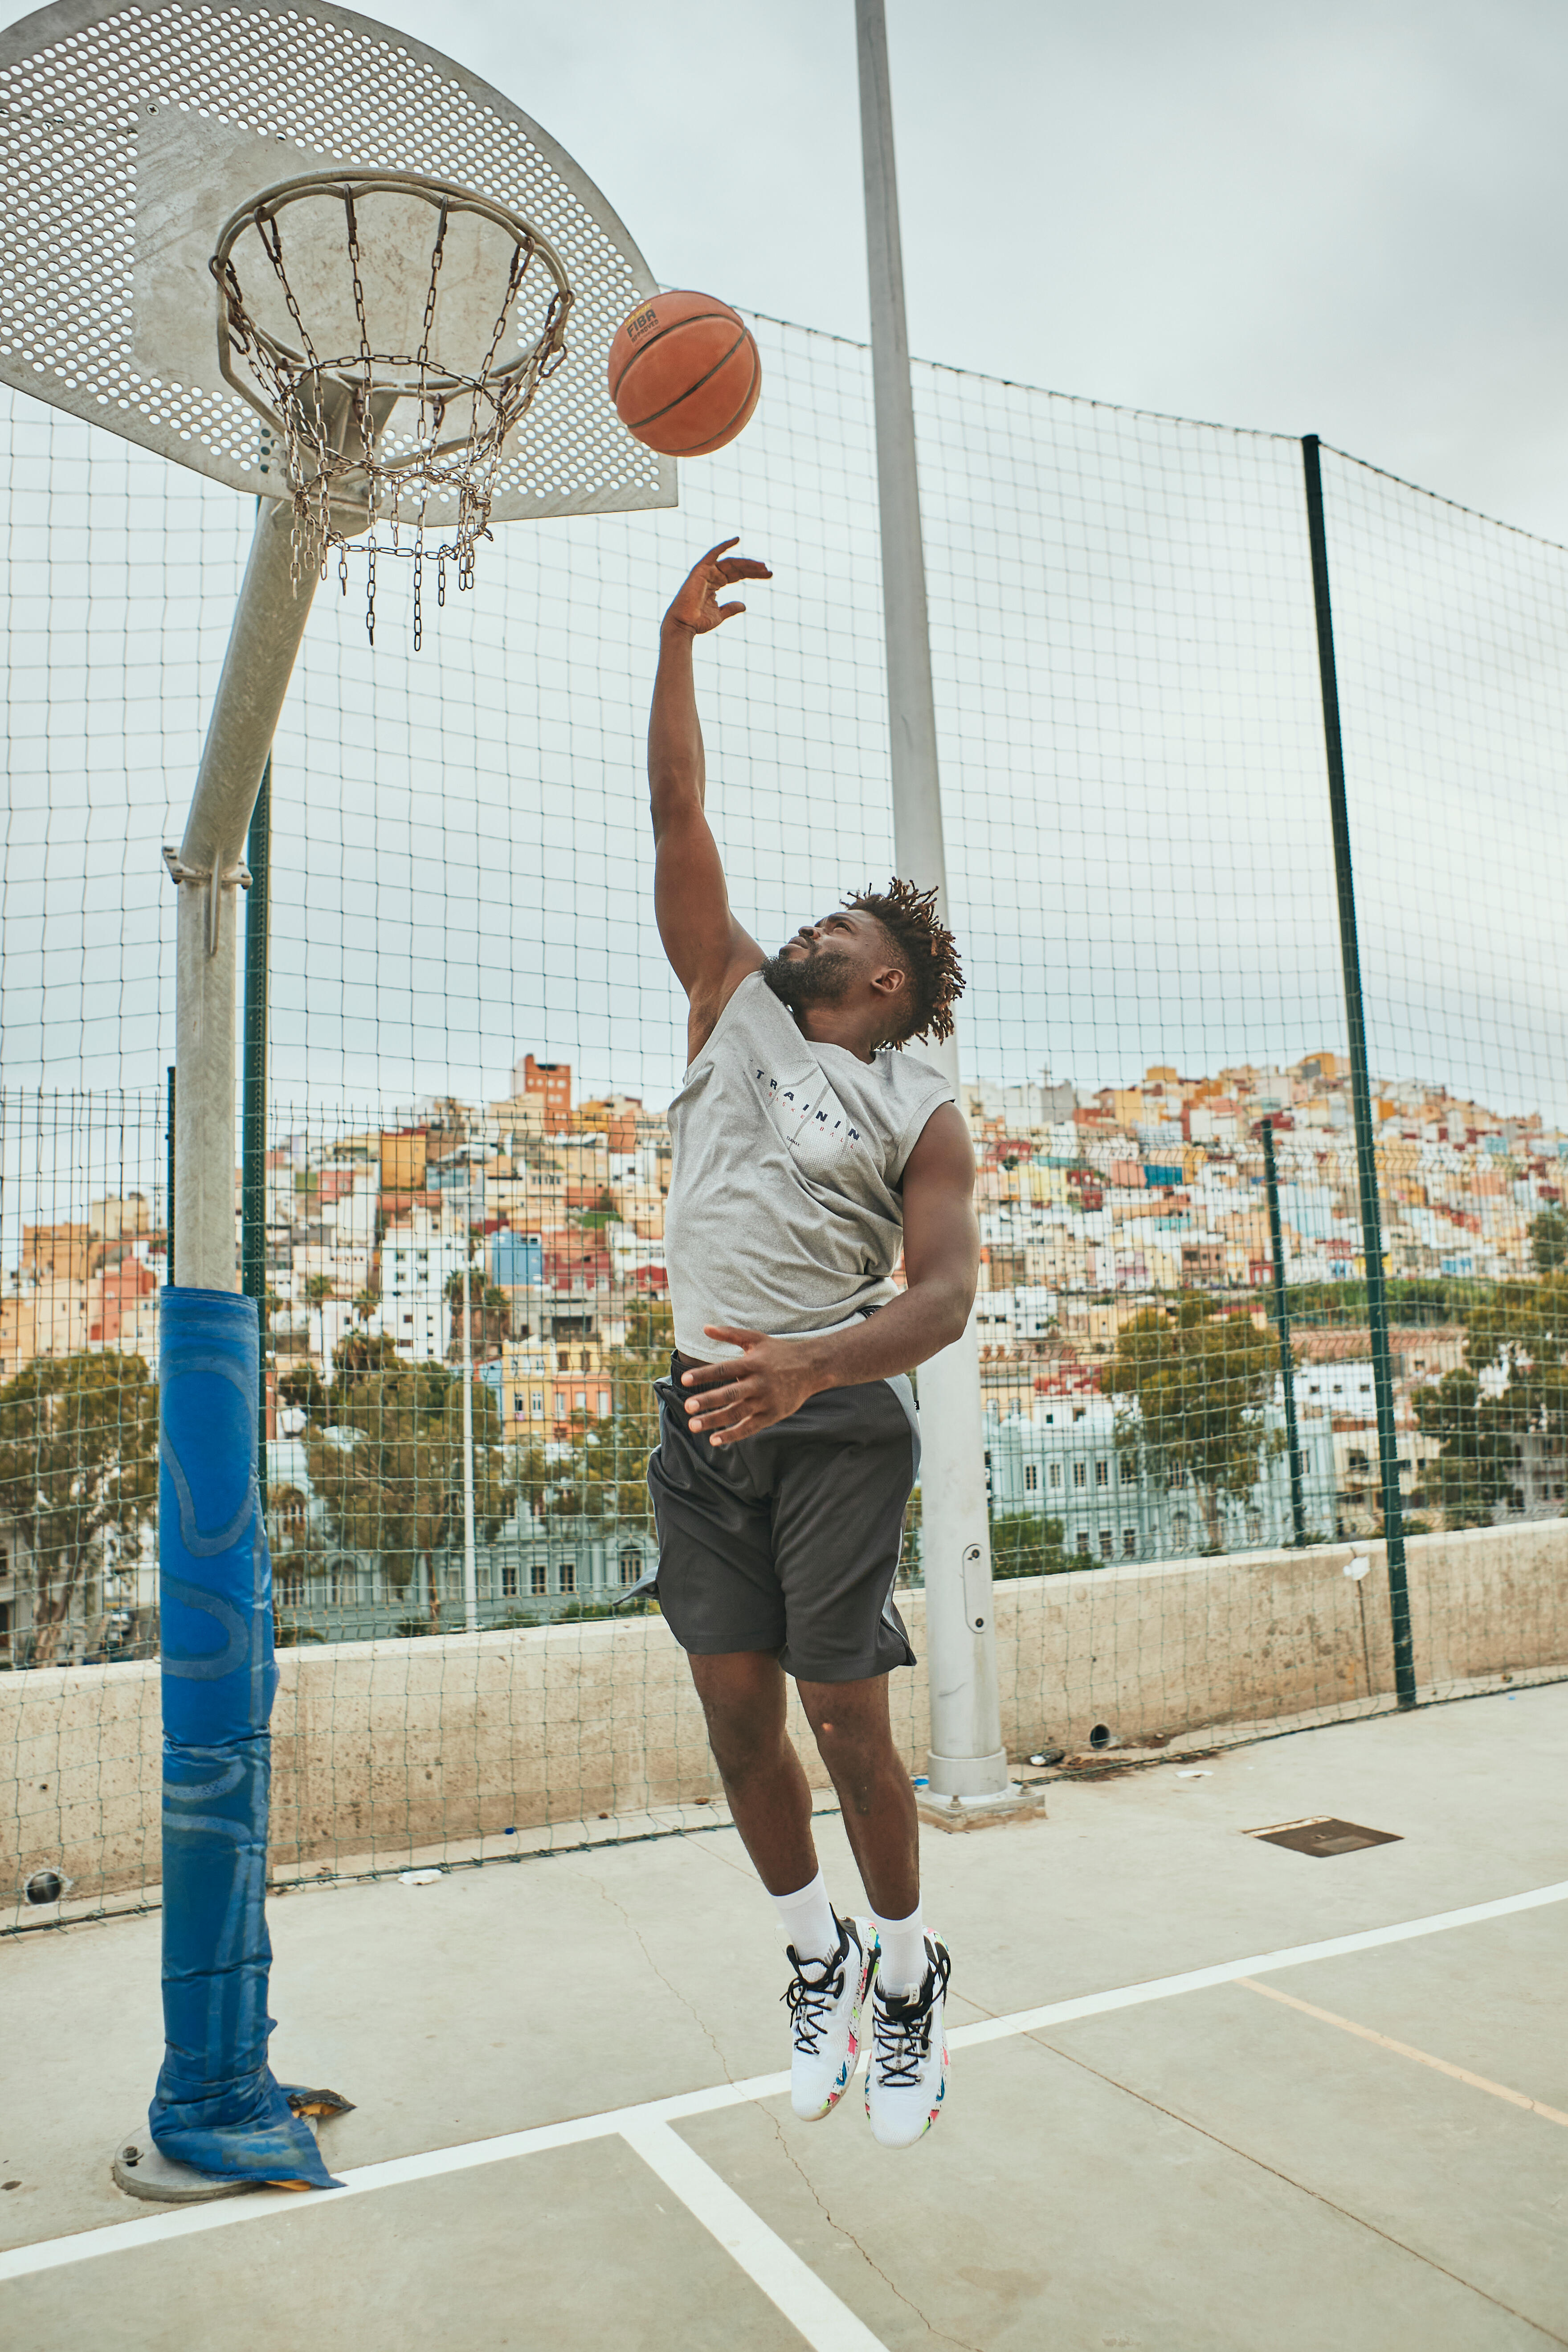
x,y
142,2171
1013,1803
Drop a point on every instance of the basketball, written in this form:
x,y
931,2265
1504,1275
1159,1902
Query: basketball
x,y
684,374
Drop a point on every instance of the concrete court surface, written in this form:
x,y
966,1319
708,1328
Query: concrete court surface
x,y
1215,2166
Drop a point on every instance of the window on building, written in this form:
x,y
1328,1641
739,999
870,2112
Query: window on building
x,y
1055,1478
579,1401
1082,1541
631,1566
1102,1474
1129,1471
568,1576
1129,1543
603,1403
509,1579
536,1404
1180,1529
1105,1545
342,1584
291,1588
1255,1526
454,1578
1031,1476
1079,1475
538,1577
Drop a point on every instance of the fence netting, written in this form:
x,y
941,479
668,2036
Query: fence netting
x,y
472,1035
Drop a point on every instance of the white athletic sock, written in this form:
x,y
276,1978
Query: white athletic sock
x,y
903,1967
806,1919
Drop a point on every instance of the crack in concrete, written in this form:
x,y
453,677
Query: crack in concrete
x,y
842,2229
674,1989
1304,2188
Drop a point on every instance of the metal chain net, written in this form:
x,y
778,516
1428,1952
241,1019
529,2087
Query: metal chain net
x,y
333,411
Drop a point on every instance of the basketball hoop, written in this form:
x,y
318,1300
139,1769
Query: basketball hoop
x,y
391,388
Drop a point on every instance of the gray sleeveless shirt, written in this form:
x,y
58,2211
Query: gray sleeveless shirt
x,y
784,1214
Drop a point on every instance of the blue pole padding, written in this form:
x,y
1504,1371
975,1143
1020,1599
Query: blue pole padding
x,y
216,2105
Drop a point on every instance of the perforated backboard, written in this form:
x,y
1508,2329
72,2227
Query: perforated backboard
x,y
129,136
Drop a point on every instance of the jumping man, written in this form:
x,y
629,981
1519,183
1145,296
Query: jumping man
x,y
808,1150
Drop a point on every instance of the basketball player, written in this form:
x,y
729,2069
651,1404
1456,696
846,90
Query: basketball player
x,y
808,1150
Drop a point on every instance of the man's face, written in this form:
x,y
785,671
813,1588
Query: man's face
x,y
828,962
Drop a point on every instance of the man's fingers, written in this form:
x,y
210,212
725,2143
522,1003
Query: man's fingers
x,y
711,1376
742,567
715,552
737,1339
729,1414
728,611
750,1427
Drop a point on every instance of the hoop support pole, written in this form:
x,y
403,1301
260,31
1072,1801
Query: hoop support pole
x,y
968,1765
217,2108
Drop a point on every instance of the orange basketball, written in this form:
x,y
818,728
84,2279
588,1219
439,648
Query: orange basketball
x,y
684,374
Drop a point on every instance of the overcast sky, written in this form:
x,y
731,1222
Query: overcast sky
x,y
1345,220
1218,212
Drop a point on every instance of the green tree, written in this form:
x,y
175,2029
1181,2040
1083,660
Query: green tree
x,y
389,1470
1518,1333
79,1464
1549,1240
1023,1543
361,1353
1199,1381
302,1385
613,1453
489,1314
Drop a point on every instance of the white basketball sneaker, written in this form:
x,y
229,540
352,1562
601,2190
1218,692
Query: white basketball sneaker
x,y
825,1998
905,2074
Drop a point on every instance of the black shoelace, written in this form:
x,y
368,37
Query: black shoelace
x,y
901,2029
811,2005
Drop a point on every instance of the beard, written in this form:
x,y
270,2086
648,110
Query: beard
x,y
823,977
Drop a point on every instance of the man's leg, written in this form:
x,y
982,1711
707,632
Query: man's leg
x,y
743,1698
855,1741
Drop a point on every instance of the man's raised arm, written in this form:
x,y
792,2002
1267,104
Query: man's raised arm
x,y
710,952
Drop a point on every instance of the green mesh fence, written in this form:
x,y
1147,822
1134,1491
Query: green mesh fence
x,y
473,1033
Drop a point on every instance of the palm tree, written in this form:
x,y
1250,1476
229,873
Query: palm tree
x,y
318,1288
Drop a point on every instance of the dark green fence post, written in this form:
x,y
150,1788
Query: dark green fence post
x,y
1282,1325
253,1092
1360,1094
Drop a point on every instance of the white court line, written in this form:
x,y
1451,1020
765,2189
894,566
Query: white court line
x,y
1333,1948
120,2237
812,2308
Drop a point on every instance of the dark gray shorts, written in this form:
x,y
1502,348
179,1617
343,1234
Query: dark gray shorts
x,y
789,1541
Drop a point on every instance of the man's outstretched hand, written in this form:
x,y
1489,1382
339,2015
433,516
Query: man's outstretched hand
x,y
697,606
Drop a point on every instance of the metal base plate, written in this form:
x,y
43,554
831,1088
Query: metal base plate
x,y
142,2170
1016,1802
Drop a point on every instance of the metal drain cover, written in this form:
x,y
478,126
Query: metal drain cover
x,y
1321,1833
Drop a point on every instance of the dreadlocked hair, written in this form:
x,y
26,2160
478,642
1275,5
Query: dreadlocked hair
x,y
927,951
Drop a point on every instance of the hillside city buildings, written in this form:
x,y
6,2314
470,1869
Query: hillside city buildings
x,y
1092,1206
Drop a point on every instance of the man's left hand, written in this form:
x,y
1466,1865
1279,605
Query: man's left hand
x,y
748,1394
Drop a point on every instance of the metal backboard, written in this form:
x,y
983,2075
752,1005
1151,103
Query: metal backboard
x,y
129,136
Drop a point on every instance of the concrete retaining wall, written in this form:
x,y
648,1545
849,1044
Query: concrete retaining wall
x,y
381,1748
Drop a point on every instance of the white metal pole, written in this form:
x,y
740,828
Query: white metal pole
x,y
967,1757
470,1560
268,624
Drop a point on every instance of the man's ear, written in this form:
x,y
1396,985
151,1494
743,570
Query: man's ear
x,y
889,980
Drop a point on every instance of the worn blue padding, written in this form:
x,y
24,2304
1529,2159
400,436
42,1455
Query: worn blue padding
x,y
216,2105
